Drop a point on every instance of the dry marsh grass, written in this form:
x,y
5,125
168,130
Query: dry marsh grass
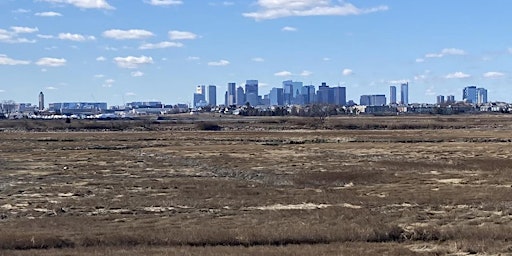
x,y
251,192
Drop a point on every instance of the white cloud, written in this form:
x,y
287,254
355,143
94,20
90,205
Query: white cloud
x,y
163,2
101,58
420,60
2,91
258,59
45,36
24,30
326,59
306,73
289,29
130,94
494,75
21,10
218,63
108,83
132,61
283,73
181,35
347,72
127,34
86,4
48,14
273,9
193,58
160,45
51,88
4,60
99,76
446,52
75,37
402,81
51,62
457,75
136,74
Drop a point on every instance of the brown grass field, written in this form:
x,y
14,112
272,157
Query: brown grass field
x,y
425,185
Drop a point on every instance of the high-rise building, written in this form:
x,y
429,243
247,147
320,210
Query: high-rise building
x,y
323,94
481,95
308,94
240,96
404,94
212,95
469,94
340,96
231,96
392,94
450,99
372,100
276,97
200,96
440,99
41,101
251,92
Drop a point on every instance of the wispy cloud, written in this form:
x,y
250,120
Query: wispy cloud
x,y
457,75
137,74
181,35
5,60
132,61
273,9
163,2
85,4
48,14
51,62
289,29
75,37
494,75
258,59
127,34
219,63
161,45
446,52
283,73
347,72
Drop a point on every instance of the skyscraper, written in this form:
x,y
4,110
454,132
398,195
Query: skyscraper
x,y
469,94
212,95
251,92
392,94
481,95
200,96
440,99
323,94
450,99
276,97
231,96
340,95
240,96
404,94
41,101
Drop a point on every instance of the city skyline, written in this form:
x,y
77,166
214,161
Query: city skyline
x,y
118,51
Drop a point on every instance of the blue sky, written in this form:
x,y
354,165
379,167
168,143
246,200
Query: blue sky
x,y
120,51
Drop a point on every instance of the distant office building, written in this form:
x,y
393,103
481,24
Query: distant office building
x,y
251,92
200,97
340,96
69,108
440,99
231,97
450,99
392,94
372,100
481,95
212,95
323,94
292,92
308,94
276,97
41,101
240,96
404,93
469,94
